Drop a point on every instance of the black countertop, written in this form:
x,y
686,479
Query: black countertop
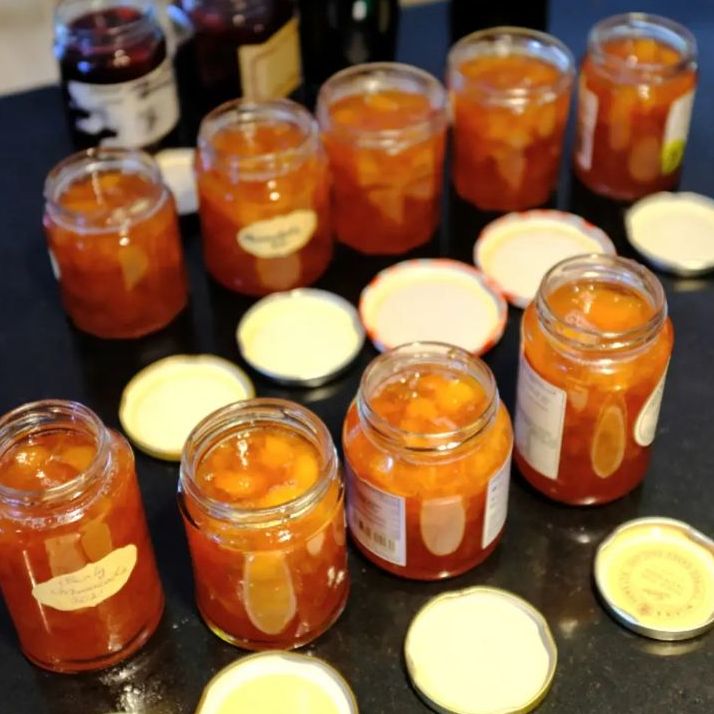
x,y
546,553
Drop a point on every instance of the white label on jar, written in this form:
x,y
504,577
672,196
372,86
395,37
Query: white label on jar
x,y
540,416
280,236
90,585
272,69
377,520
587,119
676,131
496,503
55,266
646,422
128,114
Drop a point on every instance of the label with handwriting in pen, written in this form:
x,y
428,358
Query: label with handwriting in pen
x,y
279,236
89,586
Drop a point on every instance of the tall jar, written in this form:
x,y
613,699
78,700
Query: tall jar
x,y
264,199
117,78
114,243
596,343
636,94
77,568
262,502
427,443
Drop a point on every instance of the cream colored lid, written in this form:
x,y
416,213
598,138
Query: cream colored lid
x,y
164,401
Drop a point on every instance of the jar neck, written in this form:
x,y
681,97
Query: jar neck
x,y
51,416
249,415
424,357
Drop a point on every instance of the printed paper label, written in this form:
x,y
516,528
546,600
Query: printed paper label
x,y
271,70
90,585
377,520
130,114
496,503
280,236
587,119
676,131
646,422
540,415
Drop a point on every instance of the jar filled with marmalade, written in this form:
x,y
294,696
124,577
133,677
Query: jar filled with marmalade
x,y
117,78
635,101
77,568
596,343
427,445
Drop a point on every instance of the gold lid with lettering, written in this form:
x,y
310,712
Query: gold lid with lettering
x,y
656,577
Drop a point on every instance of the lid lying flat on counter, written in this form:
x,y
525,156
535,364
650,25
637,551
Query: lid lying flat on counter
x,y
480,651
163,402
656,577
303,337
433,300
278,683
518,249
177,170
674,231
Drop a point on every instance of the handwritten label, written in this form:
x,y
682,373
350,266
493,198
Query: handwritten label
x,y
89,586
280,236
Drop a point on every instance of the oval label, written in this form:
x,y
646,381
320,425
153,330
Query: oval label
x,y
90,585
279,236
646,424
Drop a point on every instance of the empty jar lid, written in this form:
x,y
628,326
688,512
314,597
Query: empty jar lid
x,y
656,577
437,300
517,250
674,231
302,337
164,401
480,651
278,683
177,170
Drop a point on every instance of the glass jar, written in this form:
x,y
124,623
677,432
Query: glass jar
x,y
114,242
511,95
596,343
427,445
77,568
262,502
636,93
384,128
117,79
264,199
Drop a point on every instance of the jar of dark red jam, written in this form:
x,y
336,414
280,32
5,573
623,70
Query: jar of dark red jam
x,y
117,78
77,569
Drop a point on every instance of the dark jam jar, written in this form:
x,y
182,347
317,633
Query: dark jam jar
x,y
239,48
117,78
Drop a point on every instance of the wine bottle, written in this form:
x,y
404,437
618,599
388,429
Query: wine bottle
x,y
470,15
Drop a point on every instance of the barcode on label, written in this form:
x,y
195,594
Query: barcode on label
x,y
377,538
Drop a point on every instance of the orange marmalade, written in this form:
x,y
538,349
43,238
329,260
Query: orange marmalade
x,y
77,569
262,503
428,448
511,95
114,243
636,93
596,344
384,128
264,197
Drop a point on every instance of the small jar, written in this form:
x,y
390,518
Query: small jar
x,y
77,568
596,343
114,243
264,198
262,502
511,95
117,78
635,101
427,444
384,128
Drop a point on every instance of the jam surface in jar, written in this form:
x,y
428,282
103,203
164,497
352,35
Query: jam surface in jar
x,y
635,101
510,112
279,578
264,198
80,581
386,150
590,389
428,515
114,243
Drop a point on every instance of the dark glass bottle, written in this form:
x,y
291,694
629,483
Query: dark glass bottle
x,y
117,79
470,15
